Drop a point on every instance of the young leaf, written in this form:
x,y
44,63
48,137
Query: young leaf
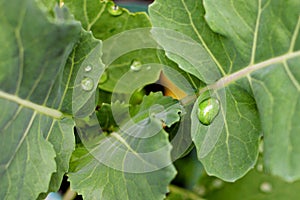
x,y
36,47
166,109
255,44
132,163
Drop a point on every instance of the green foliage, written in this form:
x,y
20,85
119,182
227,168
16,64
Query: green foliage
x,y
82,68
242,42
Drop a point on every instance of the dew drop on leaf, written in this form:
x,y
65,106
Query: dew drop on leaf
x,y
201,190
259,167
217,183
87,84
103,78
135,66
266,187
208,110
114,10
88,68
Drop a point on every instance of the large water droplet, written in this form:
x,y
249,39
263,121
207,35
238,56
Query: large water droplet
x,y
136,65
114,10
88,68
103,78
266,187
208,110
87,84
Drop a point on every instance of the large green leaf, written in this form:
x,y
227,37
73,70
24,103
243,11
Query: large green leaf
x,y
120,51
36,96
132,163
35,49
254,44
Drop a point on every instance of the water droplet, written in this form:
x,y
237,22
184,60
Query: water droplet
x,y
261,146
103,78
87,84
208,110
136,65
114,10
201,190
266,187
259,167
148,68
88,68
217,183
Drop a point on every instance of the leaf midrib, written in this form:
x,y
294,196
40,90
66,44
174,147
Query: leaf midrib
x,y
226,80
28,104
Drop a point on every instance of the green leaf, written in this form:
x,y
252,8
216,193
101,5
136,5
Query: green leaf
x,y
85,53
120,48
254,44
161,107
228,147
36,47
132,163
84,63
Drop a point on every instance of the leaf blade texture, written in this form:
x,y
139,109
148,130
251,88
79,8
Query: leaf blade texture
x,y
253,47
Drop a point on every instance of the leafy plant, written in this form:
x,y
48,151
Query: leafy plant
x,y
75,98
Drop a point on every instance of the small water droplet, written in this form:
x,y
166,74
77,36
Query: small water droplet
x,y
114,10
87,84
217,183
103,78
208,110
261,147
136,65
259,167
266,187
201,190
148,68
88,68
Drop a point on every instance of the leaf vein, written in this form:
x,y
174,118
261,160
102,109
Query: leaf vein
x,y
200,38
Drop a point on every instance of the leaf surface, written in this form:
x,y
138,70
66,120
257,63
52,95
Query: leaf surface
x,y
36,49
132,163
254,44
120,46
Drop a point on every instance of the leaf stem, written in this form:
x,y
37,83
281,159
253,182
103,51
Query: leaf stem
x,y
226,80
41,109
